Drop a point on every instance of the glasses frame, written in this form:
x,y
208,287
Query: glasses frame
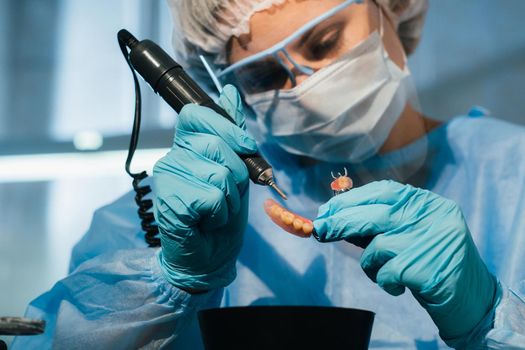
x,y
280,47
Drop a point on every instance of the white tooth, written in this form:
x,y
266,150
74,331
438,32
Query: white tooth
x,y
298,224
287,217
308,228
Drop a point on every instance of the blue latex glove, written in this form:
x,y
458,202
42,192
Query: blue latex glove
x,y
201,189
421,242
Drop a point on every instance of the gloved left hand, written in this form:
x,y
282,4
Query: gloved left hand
x,y
420,241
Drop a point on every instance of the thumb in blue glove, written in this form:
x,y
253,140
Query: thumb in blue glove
x,y
201,189
420,241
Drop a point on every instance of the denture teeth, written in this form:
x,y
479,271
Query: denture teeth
x,y
308,228
276,211
298,224
288,220
287,217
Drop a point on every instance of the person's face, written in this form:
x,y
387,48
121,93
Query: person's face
x,y
321,45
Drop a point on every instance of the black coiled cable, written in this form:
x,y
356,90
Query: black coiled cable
x,y
125,39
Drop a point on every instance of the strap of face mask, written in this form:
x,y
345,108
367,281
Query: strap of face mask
x,y
382,31
381,25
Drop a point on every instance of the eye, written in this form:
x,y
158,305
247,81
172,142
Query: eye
x,y
324,45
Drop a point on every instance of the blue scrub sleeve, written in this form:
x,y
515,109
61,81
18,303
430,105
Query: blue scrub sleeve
x,y
502,328
118,301
114,226
508,331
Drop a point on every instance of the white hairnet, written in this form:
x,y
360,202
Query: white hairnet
x,y
408,16
206,26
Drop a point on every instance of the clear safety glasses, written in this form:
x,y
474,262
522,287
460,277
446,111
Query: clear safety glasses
x,y
277,68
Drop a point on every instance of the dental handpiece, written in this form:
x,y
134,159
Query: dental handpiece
x,y
177,88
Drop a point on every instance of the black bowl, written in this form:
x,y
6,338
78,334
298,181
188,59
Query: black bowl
x,y
285,327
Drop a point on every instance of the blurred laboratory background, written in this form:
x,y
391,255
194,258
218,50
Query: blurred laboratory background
x,y
66,104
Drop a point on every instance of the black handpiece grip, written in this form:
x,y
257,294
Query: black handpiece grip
x,y
168,78
177,88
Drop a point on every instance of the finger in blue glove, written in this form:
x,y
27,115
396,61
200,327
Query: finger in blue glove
x,y
420,241
201,189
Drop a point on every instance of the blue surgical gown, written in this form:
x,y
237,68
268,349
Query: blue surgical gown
x,y
116,296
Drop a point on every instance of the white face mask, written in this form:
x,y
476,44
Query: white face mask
x,y
342,113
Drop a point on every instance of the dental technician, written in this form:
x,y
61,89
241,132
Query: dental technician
x,y
323,86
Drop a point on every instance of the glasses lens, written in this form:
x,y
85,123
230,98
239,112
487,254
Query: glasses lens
x,y
260,76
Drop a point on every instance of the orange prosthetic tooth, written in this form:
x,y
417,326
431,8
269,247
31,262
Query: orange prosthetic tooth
x,y
308,228
298,224
341,183
287,220
276,211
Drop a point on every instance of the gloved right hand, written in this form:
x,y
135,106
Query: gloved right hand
x,y
201,188
421,241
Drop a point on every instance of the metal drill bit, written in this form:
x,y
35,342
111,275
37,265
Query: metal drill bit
x,y
278,190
